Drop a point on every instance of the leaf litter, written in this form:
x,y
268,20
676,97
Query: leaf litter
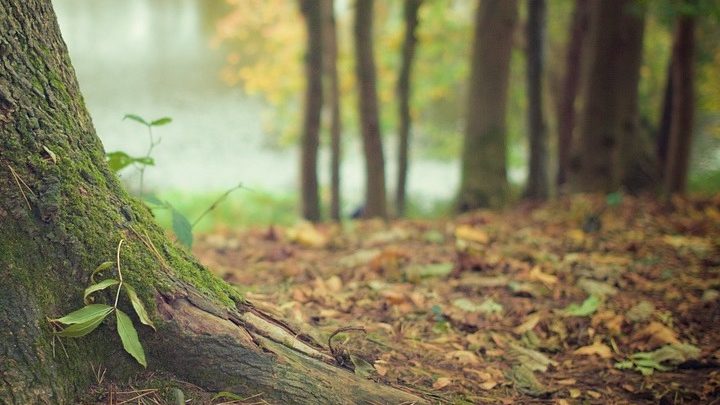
x,y
515,306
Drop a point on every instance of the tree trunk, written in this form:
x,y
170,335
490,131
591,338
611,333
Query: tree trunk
x,y
410,9
483,175
537,183
333,101
609,141
312,12
375,200
566,119
683,104
62,212
663,135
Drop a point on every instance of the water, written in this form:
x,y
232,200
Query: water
x,y
153,58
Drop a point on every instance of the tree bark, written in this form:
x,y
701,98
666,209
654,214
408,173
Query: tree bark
x,y
62,212
311,10
537,183
333,101
410,13
375,199
609,141
483,174
663,136
683,105
566,119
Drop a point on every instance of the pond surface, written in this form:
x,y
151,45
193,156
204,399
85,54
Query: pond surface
x,y
154,59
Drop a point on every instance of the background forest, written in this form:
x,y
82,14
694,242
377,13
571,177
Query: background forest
x,y
232,77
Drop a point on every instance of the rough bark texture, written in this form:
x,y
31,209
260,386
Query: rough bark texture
x,y
537,183
566,118
333,102
683,105
311,10
62,212
375,200
410,12
483,174
609,142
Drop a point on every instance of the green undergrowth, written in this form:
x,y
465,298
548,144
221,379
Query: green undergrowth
x,y
250,207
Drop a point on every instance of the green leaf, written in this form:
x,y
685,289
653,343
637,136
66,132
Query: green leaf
x,y
118,160
624,365
362,367
138,306
182,228
161,121
587,308
103,266
82,329
85,314
136,118
129,337
614,199
99,286
154,200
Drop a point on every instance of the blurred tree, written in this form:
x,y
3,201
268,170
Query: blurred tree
x,y
483,176
63,212
610,149
410,13
375,200
566,110
537,182
682,103
333,103
310,201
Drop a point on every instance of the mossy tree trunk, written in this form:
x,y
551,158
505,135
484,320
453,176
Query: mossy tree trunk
x,y
375,200
62,212
313,105
483,180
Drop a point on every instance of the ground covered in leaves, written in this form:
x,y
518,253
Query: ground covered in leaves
x,y
583,300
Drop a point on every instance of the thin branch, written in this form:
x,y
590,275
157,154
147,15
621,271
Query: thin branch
x,y
117,295
215,204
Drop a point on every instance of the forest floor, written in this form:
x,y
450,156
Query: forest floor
x,y
583,300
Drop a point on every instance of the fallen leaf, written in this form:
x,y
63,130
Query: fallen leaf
x,y
463,357
441,383
529,324
596,348
656,334
537,275
470,234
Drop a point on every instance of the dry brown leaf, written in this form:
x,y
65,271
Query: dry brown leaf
x,y
488,385
305,234
537,275
597,348
463,357
655,334
470,234
381,367
441,383
567,381
529,324
574,393
394,297
334,284
593,394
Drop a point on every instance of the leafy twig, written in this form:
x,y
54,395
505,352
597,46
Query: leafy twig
x,y
216,203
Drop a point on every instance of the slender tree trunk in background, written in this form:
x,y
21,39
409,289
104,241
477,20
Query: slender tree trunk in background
x,y
410,9
566,118
683,104
375,200
62,214
333,101
663,137
537,183
311,10
609,143
483,175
